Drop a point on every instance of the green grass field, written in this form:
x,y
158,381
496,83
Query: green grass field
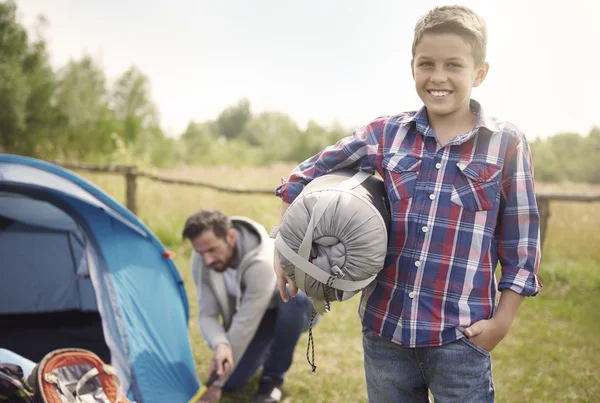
x,y
552,353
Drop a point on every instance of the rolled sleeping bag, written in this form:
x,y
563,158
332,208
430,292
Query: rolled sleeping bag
x,y
332,240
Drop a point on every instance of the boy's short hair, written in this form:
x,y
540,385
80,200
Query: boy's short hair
x,y
206,220
457,20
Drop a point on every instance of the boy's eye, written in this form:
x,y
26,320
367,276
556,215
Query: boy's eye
x,y
425,64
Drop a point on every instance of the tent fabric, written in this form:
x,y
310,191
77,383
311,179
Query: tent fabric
x,y
35,212
80,249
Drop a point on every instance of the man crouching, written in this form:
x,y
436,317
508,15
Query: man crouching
x,y
232,267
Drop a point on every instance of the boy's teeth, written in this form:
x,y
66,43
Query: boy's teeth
x,y
440,93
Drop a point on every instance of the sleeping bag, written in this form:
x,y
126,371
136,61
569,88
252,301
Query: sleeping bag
x,y
332,240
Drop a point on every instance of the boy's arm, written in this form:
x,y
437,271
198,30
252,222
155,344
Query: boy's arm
x,y
488,333
358,150
518,236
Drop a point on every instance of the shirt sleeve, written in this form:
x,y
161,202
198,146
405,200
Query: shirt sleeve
x,y
356,151
518,230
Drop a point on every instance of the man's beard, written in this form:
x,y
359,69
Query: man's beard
x,y
232,262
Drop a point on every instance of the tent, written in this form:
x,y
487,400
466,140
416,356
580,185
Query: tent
x,y
77,269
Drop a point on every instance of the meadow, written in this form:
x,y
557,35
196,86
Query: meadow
x,y
552,353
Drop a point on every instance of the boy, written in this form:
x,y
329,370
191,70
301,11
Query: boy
x,y
461,189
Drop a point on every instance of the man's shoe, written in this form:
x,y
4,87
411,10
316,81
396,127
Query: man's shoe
x,y
268,392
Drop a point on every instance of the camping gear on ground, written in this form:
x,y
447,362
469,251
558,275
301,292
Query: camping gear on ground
x,y
77,269
211,379
13,386
332,240
10,357
73,375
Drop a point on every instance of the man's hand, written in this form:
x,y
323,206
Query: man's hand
x,y
217,363
212,395
487,333
282,280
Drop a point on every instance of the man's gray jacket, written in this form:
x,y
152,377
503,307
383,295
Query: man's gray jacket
x,y
256,291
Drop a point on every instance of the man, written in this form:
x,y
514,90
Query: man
x,y
232,267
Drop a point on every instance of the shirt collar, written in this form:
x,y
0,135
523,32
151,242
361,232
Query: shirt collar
x,y
482,121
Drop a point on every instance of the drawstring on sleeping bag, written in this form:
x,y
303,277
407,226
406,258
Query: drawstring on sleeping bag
x,y
311,342
311,339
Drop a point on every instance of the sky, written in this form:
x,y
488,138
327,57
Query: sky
x,y
329,61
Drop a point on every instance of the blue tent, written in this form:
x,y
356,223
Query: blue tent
x,y
78,268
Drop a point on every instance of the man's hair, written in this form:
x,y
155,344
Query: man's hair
x,y
206,220
458,20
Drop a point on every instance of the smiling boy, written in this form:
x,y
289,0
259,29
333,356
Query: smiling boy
x,y
461,189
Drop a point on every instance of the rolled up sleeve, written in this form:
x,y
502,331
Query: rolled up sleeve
x,y
518,232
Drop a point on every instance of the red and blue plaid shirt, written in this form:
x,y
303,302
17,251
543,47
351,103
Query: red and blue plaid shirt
x,y
457,211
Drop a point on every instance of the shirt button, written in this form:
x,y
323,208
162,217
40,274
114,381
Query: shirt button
x,y
431,197
417,263
411,294
424,229
438,165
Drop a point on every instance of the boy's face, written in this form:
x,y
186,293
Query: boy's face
x,y
445,72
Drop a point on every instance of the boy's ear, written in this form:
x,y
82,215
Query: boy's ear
x,y
481,74
412,69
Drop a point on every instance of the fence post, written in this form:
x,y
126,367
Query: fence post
x,y
544,211
131,188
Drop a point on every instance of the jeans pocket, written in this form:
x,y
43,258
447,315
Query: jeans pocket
x,y
475,347
401,176
476,186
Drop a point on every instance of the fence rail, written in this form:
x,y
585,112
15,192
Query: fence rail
x,y
131,174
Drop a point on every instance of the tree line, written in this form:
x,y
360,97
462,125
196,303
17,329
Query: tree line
x,y
73,113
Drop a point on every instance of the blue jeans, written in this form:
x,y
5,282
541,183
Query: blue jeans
x,y
456,372
274,342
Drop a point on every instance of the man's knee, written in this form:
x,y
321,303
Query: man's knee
x,y
236,383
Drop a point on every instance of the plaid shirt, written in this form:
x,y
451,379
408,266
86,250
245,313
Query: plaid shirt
x,y
457,211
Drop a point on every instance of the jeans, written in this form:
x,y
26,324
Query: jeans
x,y
274,342
456,372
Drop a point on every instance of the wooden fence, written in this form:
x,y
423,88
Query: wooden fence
x,y
131,173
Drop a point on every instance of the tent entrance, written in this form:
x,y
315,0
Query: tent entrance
x,y
47,300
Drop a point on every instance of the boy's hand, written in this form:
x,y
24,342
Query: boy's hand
x,y
282,280
487,333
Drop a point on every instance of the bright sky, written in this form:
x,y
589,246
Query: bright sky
x,y
330,60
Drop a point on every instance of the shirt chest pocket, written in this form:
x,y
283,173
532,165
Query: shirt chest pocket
x,y
401,176
477,186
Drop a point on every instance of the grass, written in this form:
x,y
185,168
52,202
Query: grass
x,y
552,353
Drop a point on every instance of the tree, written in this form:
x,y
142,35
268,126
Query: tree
x,y
43,119
231,123
198,141
592,149
275,133
133,107
82,99
27,117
